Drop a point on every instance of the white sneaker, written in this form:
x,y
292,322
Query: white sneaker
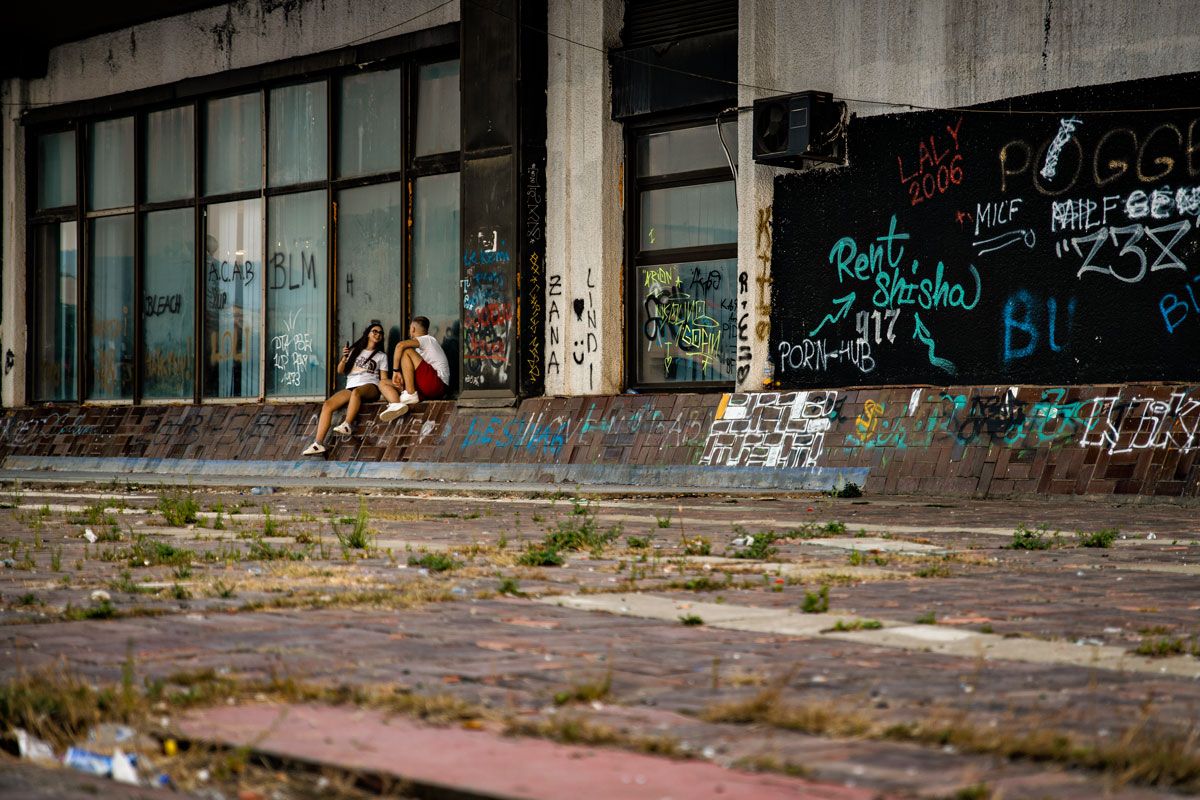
x,y
409,399
392,411
344,429
315,449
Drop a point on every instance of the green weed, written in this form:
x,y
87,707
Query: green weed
x,y
816,603
760,546
178,507
434,562
691,619
1101,538
1032,538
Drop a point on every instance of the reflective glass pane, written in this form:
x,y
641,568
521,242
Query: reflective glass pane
x,y
110,163
296,274
686,149
437,108
371,134
168,300
233,275
435,285
688,216
233,144
687,325
170,138
111,307
370,250
54,321
56,169
298,138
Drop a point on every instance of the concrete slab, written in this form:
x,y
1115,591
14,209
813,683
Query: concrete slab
x,y
481,763
932,638
868,543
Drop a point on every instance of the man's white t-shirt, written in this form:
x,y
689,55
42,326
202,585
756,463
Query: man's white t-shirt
x,y
431,352
367,368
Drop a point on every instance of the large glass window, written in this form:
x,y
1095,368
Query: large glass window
x,y
233,280
370,247
371,132
169,155
55,312
435,258
233,144
683,290
56,170
110,161
111,307
296,270
298,138
203,229
168,300
437,108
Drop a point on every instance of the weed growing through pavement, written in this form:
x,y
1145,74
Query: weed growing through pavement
x,y
587,691
540,555
270,527
759,547
148,553
849,490
696,545
637,542
690,619
358,537
1101,538
928,618
663,521
178,507
1038,538
56,559
434,562
510,586
856,625
180,592
224,590
933,571
816,603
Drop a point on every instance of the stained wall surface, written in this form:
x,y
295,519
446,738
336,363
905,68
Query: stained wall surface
x,y
1116,440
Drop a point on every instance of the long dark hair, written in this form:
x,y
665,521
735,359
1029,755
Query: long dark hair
x,y
361,343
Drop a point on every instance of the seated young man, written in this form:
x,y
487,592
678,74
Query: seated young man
x,y
421,370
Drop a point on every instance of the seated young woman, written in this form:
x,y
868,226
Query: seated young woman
x,y
365,366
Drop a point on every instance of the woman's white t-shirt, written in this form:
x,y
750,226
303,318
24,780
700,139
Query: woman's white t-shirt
x,y
367,368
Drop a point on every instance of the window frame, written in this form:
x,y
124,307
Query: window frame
x,y
635,257
406,53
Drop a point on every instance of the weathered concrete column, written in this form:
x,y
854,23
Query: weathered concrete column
x,y
584,232
12,256
757,66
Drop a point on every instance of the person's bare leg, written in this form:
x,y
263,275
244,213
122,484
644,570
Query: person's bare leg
x,y
389,392
335,401
408,365
356,399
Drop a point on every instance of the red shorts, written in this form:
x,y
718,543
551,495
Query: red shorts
x,y
429,385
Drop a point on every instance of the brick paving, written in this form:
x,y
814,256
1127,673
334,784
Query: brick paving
x,y
244,609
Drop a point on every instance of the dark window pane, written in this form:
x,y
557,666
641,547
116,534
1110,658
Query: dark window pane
x,y
687,322
168,302
54,321
435,281
296,274
170,138
370,248
111,306
689,216
233,144
56,169
685,150
110,163
298,138
371,133
437,108
233,275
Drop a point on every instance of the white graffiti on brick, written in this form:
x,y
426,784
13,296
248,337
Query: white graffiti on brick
x,y
1172,424
769,429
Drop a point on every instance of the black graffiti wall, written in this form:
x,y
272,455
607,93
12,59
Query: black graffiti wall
x,y
1050,238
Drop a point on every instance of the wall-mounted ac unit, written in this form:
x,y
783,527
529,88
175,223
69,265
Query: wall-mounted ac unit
x,y
791,128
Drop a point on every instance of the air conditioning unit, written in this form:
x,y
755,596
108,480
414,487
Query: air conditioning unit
x,y
791,128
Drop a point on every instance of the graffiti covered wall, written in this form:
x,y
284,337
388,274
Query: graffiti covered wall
x,y
1033,241
1117,440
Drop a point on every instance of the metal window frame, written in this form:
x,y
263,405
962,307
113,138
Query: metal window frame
x,y
407,52
635,257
